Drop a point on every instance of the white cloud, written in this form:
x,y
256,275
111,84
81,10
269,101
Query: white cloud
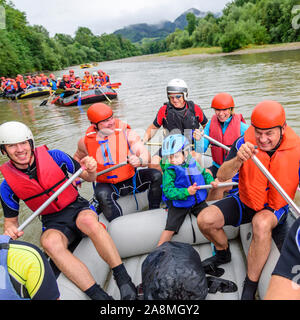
x,y
106,16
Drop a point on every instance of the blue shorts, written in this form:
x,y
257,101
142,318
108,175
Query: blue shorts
x,y
236,213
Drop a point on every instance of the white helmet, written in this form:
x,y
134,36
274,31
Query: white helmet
x,y
95,74
15,132
177,86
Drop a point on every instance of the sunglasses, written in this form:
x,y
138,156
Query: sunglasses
x,y
177,96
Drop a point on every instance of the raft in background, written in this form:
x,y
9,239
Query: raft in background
x,y
29,93
87,97
85,65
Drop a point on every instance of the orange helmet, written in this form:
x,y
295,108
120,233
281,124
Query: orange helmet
x,y
222,101
268,114
99,112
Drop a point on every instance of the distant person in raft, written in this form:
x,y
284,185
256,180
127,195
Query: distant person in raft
x,y
110,142
33,174
182,178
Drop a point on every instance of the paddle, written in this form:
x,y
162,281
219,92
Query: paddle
x,y
115,85
105,171
266,173
44,102
54,196
220,185
103,94
79,101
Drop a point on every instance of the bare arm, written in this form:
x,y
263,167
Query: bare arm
x,y
150,133
229,168
81,151
141,156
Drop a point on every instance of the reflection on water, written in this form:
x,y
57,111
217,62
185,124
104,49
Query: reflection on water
x,y
249,78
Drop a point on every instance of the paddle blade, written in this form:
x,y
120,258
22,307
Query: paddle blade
x,y
43,103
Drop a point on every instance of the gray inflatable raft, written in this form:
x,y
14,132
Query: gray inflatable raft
x,y
137,234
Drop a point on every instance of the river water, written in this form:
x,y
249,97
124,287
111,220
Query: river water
x,y
249,78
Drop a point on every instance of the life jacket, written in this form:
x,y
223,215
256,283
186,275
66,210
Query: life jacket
x,y
113,150
35,193
104,79
21,84
185,177
11,86
233,131
7,290
284,167
172,121
44,81
88,79
53,84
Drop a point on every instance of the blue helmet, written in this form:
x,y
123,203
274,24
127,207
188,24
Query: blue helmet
x,y
173,144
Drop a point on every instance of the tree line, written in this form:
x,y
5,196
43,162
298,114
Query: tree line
x,y
28,49
242,23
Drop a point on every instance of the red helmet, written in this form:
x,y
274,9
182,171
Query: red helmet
x,y
222,101
99,112
268,114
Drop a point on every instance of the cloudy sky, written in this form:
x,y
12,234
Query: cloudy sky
x,y
106,16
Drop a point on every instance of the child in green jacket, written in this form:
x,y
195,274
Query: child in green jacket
x,y
182,177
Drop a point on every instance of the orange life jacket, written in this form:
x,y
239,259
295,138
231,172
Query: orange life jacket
x,y
233,131
88,79
113,150
254,188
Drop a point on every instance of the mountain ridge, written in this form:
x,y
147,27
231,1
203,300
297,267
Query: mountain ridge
x,y
136,32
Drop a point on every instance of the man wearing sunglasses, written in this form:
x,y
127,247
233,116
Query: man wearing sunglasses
x,y
178,115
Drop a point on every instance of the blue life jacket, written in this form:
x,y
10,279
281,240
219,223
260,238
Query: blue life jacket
x,y
7,291
185,177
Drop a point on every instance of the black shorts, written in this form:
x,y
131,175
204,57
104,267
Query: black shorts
x,y
236,213
65,220
213,170
177,215
288,265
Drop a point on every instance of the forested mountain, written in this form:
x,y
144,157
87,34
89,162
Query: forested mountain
x,y
137,32
243,22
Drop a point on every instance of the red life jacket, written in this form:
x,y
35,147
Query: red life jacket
x,y
233,131
35,193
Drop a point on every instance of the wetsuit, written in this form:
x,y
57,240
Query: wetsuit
x,y
29,273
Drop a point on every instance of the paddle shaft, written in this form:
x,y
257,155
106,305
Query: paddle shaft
x,y
276,185
53,197
104,94
106,171
220,185
266,173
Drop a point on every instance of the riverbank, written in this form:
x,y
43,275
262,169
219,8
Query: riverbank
x,y
191,53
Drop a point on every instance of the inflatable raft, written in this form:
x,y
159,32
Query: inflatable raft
x,y
87,97
30,93
136,234
86,65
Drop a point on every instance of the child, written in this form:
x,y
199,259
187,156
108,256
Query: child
x,y
182,176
